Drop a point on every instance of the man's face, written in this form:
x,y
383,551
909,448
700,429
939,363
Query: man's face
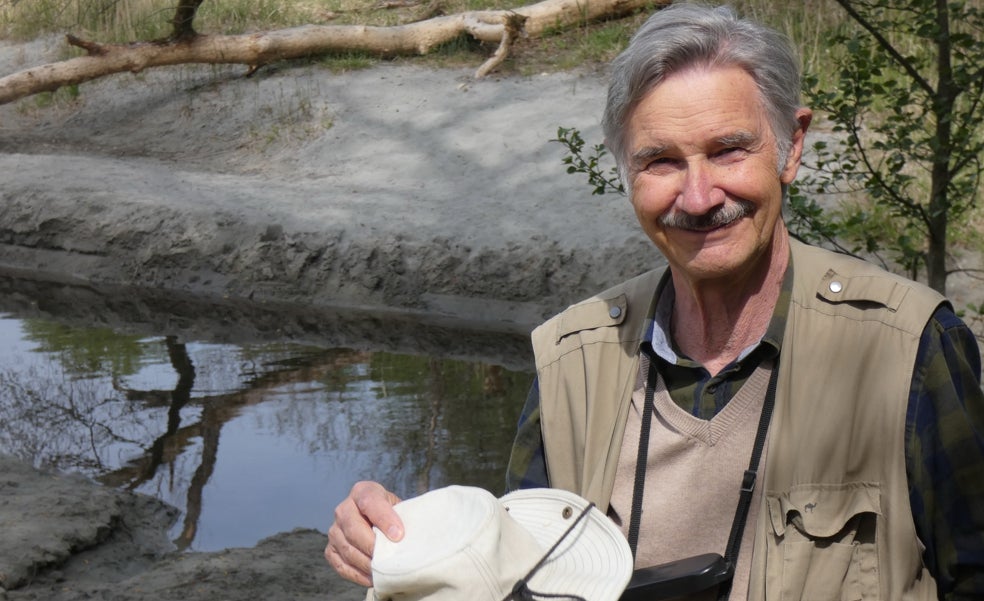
x,y
705,175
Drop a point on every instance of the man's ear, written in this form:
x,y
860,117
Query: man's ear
x,y
804,117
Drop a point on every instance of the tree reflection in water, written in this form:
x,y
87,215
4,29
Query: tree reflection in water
x,y
298,424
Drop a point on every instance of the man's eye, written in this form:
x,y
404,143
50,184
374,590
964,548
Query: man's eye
x,y
660,163
731,151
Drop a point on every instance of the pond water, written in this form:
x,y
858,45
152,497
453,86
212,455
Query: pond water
x,y
257,435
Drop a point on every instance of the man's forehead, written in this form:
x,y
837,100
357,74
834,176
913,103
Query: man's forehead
x,y
715,105
653,139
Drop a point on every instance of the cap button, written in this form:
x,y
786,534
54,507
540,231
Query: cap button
x,y
836,286
614,312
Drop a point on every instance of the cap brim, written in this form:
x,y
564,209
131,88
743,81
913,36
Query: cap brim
x,y
594,561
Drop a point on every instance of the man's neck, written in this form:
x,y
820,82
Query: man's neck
x,y
713,322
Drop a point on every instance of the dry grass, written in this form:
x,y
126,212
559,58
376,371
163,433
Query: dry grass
x,y
118,20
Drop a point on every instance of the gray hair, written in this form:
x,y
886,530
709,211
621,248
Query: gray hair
x,y
686,35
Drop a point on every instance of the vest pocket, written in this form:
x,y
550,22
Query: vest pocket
x,y
824,545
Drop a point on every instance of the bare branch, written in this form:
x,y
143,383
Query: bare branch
x,y
513,28
92,48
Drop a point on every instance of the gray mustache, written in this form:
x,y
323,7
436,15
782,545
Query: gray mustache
x,y
718,217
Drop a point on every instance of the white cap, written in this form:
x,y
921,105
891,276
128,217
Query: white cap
x,y
461,543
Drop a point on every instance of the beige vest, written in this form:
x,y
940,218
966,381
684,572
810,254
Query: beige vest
x,y
834,522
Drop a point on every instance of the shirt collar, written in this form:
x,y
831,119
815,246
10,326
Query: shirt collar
x,y
657,325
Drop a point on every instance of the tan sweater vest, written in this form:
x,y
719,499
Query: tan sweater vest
x,y
834,521
694,470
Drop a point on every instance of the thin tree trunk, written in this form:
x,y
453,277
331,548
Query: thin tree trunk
x,y
939,202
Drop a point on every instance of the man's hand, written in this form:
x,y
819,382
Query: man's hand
x,y
351,539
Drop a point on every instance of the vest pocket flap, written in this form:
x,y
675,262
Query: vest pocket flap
x,y
822,510
592,314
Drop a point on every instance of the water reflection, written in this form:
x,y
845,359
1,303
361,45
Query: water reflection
x,y
248,439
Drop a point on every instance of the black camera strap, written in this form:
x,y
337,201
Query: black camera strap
x,y
748,479
648,408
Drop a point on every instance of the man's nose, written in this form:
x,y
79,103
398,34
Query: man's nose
x,y
699,191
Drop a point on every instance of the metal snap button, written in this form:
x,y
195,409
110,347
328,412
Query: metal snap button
x,y
614,312
836,286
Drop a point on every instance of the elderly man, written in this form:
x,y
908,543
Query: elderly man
x,y
815,420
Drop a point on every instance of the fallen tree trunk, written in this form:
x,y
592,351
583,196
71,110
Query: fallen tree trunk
x,y
258,49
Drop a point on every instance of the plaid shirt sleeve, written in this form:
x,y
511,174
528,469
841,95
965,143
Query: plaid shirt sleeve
x,y
945,456
527,465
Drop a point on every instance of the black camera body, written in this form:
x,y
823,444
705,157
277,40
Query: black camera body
x,y
678,578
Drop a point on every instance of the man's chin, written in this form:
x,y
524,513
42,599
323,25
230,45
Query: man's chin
x,y
716,258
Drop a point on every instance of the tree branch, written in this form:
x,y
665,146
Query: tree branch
x,y
512,29
872,170
887,46
977,274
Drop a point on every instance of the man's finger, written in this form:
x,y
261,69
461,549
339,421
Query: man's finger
x,y
375,503
344,569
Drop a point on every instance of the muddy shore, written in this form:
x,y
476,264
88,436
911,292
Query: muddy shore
x,y
394,188
66,538
415,195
